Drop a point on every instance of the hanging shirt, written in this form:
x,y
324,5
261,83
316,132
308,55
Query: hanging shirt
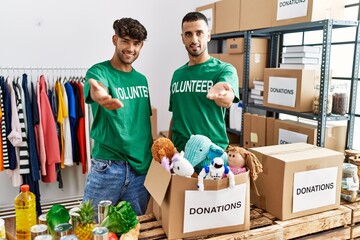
x,y
49,130
15,139
1,148
39,133
81,128
23,147
68,156
72,115
60,120
33,155
8,120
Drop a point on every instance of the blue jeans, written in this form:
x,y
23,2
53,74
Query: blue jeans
x,y
116,181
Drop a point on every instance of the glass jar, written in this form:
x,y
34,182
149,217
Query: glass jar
x,y
316,100
340,99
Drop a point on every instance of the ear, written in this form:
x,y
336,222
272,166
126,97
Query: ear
x,y
114,39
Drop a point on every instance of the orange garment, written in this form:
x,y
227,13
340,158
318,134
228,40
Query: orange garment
x,y
62,113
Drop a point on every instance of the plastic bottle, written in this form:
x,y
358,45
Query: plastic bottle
x,y
25,212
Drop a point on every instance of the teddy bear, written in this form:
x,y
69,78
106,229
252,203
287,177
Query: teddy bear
x,y
200,151
240,159
162,151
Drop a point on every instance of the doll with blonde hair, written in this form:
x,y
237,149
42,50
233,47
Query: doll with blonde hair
x,y
240,159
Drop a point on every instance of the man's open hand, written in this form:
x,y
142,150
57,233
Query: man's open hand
x,y
99,94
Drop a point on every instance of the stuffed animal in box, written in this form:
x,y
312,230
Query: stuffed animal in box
x,y
163,151
215,171
240,159
181,166
200,151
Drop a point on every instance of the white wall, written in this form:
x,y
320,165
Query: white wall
x,y
49,33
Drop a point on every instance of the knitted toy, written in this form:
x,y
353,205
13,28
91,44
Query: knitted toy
x,y
200,151
215,171
239,159
162,151
181,166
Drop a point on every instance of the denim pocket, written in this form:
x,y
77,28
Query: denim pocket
x,y
99,165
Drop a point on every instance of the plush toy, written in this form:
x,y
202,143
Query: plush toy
x,y
239,159
163,151
215,171
200,151
181,166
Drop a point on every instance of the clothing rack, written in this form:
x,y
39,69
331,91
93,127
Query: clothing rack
x,y
47,71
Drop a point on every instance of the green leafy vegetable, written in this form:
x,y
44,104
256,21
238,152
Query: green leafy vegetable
x,y
121,218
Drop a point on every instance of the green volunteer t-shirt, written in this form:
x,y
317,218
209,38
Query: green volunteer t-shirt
x,y
193,113
125,133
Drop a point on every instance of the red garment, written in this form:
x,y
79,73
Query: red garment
x,y
81,130
50,135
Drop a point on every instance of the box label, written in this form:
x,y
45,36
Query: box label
x,y
214,209
286,137
314,189
282,91
287,9
209,15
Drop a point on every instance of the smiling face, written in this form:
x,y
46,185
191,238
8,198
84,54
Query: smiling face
x,y
126,49
235,159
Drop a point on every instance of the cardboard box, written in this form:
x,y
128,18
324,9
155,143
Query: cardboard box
x,y
257,130
291,12
171,193
257,45
227,16
290,89
297,180
288,131
255,14
153,120
247,129
270,124
257,65
209,11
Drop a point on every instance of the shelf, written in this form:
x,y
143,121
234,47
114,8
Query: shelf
x,y
309,26
233,131
306,115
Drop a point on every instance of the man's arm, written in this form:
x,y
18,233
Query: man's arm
x,y
99,94
222,94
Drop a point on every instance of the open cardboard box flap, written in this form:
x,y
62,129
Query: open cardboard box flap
x,y
156,187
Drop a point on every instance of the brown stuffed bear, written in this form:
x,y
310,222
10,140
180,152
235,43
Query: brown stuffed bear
x,y
163,147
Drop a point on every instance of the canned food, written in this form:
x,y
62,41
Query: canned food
x,y
63,229
38,229
42,219
69,237
2,229
100,233
103,209
74,216
43,237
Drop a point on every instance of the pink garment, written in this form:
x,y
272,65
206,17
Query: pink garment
x,y
237,170
50,135
39,135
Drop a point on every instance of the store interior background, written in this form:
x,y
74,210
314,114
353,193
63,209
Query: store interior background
x,y
77,34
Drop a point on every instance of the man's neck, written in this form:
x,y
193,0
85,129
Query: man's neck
x,y
194,60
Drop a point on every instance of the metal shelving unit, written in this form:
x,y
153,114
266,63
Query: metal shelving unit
x,y
275,34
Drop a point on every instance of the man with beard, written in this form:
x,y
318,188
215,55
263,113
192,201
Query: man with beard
x,y
121,128
202,89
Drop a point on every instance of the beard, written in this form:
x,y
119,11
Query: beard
x,y
195,53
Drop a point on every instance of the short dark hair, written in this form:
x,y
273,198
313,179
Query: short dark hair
x,y
130,27
194,16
